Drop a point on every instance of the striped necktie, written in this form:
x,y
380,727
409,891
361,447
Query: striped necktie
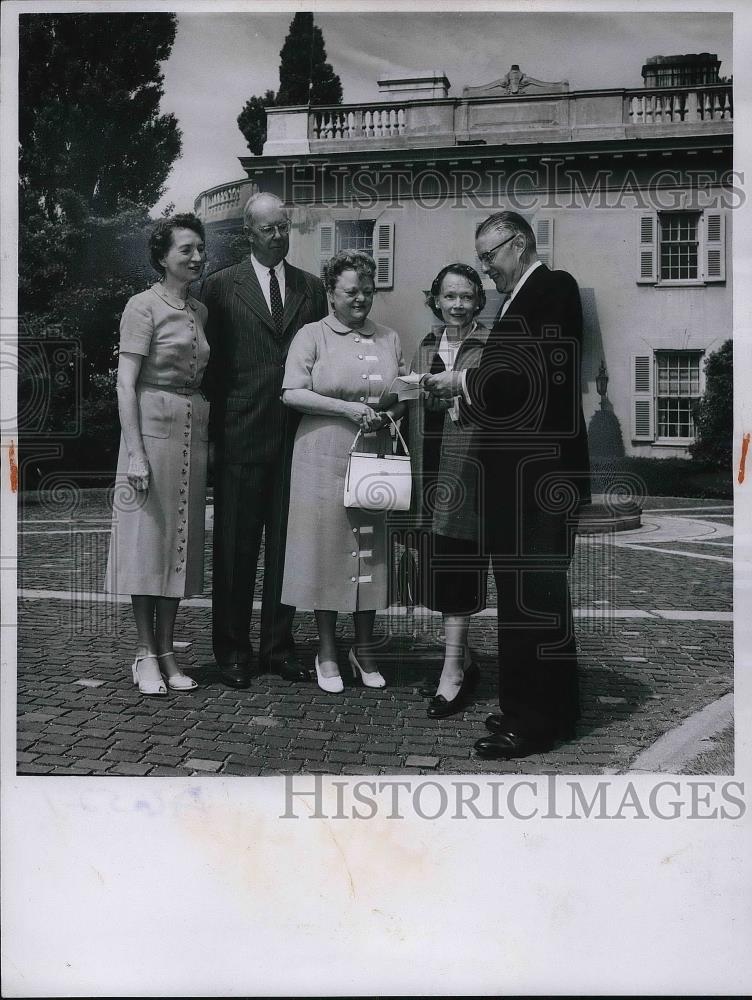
x,y
276,301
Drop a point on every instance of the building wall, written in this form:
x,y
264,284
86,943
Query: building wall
x,y
598,246
597,242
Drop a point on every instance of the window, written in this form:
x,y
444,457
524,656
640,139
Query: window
x,y
372,236
354,236
679,246
677,390
665,387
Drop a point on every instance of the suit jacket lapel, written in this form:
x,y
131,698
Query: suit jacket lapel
x,y
294,296
520,306
248,289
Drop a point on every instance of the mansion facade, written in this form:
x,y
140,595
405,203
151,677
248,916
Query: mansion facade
x,y
629,190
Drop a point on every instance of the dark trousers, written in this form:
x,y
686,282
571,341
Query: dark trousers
x,y
538,684
249,499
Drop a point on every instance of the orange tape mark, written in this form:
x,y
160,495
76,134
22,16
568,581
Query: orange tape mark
x,y
13,468
743,459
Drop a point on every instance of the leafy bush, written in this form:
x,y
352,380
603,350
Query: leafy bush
x,y
666,477
714,413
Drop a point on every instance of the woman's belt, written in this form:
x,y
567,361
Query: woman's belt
x,y
181,390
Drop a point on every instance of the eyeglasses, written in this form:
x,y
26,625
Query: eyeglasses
x,y
283,229
488,255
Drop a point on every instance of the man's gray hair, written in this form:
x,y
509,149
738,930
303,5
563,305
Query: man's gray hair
x,y
511,221
253,201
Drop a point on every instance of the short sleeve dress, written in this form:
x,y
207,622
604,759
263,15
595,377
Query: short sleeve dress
x,y
336,557
157,539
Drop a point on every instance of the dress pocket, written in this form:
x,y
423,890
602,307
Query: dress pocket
x,y
156,414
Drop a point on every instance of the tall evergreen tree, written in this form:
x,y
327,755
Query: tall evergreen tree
x,y
90,86
304,74
304,77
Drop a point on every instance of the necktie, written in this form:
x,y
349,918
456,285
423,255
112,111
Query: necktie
x,y
276,300
502,309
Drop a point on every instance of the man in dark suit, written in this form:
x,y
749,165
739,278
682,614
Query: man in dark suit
x,y
255,309
524,401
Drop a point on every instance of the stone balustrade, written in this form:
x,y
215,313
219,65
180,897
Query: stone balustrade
x,y
223,201
519,118
686,105
357,123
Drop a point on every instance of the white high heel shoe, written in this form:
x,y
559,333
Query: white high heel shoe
x,y
332,685
146,688
179,681
372,679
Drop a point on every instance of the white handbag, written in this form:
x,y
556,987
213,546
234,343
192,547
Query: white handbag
x,y
378,482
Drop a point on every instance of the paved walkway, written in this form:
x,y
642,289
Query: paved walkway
x,y
653,619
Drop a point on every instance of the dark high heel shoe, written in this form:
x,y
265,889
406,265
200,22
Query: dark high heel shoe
x,y
440,708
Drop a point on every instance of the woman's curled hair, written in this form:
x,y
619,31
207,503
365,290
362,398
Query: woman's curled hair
x,y
463,271
160,239
348,260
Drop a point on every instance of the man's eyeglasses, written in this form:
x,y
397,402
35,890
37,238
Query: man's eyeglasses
x,y
283,229
488,255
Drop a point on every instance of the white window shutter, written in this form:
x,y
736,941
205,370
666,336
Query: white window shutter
x,y
643,406
326,245
383,254
544,239
714,246
647,259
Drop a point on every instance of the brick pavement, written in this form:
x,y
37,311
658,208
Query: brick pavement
x,y
80,714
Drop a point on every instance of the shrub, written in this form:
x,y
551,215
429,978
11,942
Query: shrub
x,y
714,413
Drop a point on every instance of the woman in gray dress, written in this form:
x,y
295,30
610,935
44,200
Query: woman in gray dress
x,y
452,575
338,374
157,541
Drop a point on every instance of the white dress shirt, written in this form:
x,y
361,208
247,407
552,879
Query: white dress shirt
x,y
262,273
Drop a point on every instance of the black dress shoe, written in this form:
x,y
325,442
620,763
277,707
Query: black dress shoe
x,y
235,675
440,708
497,723
508,746
289,667
500,724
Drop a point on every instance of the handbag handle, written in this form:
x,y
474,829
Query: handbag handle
x,y
394,424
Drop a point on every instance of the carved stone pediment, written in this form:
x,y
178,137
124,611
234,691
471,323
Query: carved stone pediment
x,y
516,83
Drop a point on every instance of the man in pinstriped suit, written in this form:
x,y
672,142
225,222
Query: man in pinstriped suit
x,y
255,309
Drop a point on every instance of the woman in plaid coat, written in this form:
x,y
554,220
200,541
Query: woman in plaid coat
x,y
452,575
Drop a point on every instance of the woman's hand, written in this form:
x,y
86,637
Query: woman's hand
x,y
366,418
139,473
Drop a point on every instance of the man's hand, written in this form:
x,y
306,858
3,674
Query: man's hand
x,y
443,385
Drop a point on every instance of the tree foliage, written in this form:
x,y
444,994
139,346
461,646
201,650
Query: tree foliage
x,y
90,87
252,121
305,77
714,413
304,74
94,155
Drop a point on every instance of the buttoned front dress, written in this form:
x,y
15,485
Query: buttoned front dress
x,y
336,557
157,541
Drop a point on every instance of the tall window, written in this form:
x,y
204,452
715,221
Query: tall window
x,y
679,246
355,236
677,390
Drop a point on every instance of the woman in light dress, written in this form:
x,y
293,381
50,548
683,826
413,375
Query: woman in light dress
x,y
338,375
157,542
